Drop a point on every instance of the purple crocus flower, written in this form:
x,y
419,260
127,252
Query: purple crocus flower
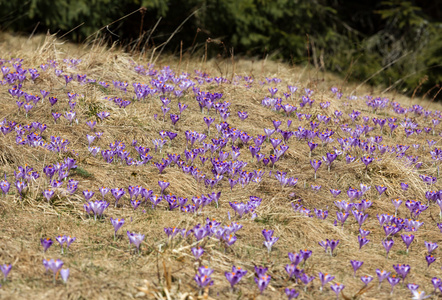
x,y
203,277
295,258
5,185
430,246
329,158
366,279
5,270
72,186
53,100
135,203
325,278
229,239
117,193
291,293
163,185
103,115
275,142
306,254
44,93
19,104
64,273
356,265
323,244
342,217
243,115
430,259
272,91
404,186
70,115
61,239
436,283
292,270
335,192
393,280
362,241
69,241
382,275
117,223
396,202
53,265
262,282
136,239
419,295
91,124
103,190
67,78
316,187
235,276
155,199
387,245
305,279
332,244
171,135
337,288
20,185
363,232
27,107
48,194
360,217
96,207
200,233
315,164
172,232
349,158
197,252
408,239
208,122
267,234
260,271
321,214
88,194
402,270
270,241
174,118
56,116
276,124
366,160
46,243
312,147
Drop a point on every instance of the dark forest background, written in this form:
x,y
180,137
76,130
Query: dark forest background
x,y
391,43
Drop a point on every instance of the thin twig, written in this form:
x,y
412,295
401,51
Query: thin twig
x,y
172,35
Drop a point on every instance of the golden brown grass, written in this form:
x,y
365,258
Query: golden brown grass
x,y
102,268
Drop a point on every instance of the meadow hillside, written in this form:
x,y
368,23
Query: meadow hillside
x,y
293,175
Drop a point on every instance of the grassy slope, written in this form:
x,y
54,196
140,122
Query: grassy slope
x,y
102,268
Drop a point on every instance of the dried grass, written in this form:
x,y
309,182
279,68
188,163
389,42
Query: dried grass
x,y
105,269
